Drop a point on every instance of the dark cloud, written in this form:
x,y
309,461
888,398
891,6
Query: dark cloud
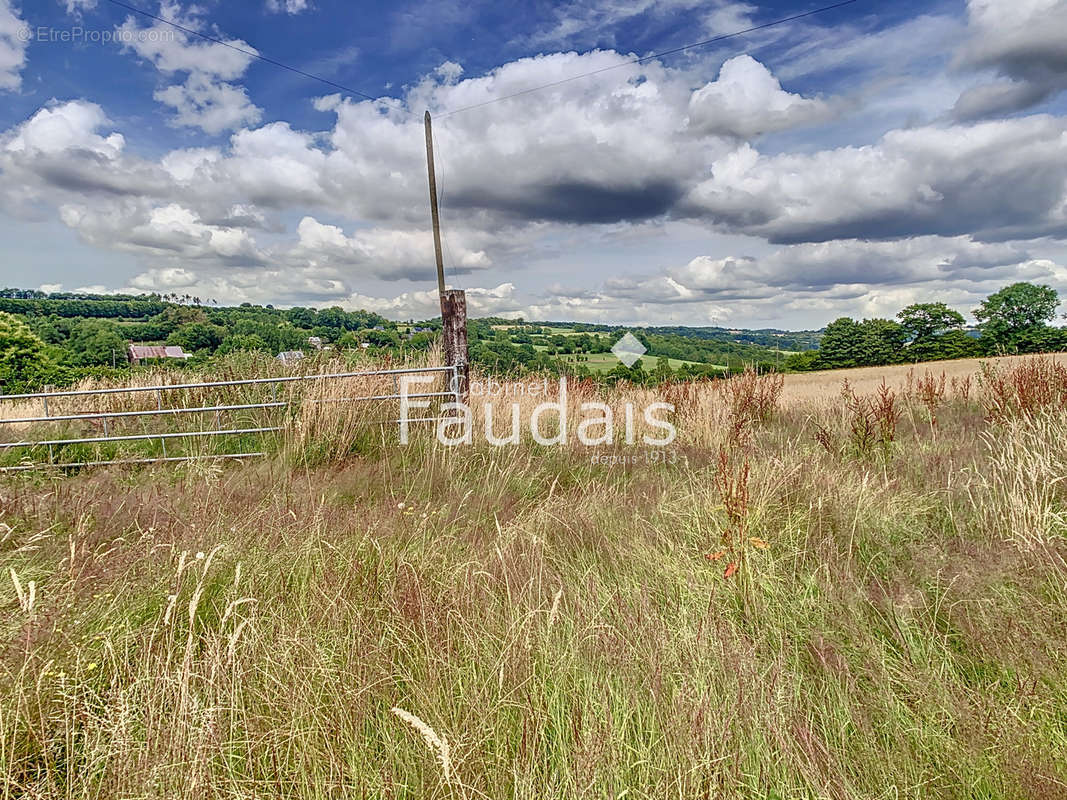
x,y
1024,44
576,202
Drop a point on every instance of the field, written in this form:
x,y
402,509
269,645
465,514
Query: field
x,y
605,362
809,594
807,386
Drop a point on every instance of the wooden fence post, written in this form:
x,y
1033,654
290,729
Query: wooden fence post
x,y
454,331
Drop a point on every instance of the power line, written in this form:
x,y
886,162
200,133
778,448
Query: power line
x,y
251,53
350,90
651,57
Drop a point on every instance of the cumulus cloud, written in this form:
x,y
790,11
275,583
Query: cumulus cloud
x,y
170,232
207,98
65,151
381,252
278,214
747,100
497,301
795,284
12,46
214,107
1025,44
998,180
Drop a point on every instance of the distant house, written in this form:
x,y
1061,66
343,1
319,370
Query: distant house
x,y
145,352
315,341
288,357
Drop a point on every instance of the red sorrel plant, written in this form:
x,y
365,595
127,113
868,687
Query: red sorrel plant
x,y
872,419
931,393
1024,390
754,396
731,479
751,398
961,388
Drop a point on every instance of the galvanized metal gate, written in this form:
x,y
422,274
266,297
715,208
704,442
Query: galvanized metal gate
x,y
247,410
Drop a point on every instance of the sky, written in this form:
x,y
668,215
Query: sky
x,y
844,164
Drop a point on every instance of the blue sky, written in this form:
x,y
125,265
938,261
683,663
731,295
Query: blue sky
x,y
847,163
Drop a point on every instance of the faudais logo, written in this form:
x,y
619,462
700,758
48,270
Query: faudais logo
x,y
629,349
550,422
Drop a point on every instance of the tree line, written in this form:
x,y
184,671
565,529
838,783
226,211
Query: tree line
x,y
1013,320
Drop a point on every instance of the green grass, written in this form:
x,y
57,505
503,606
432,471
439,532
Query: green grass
x,y
895,627
605,362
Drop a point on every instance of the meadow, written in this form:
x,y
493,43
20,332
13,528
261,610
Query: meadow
x,y
821,589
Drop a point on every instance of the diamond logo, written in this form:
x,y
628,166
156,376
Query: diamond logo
x,y
629,349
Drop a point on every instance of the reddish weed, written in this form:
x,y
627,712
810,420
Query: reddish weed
x,y
1036,385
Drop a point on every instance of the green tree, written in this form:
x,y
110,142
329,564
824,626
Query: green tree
x,y
1015,318
195,336
804,361
663,371
881,342
301,317
847,343
957,344
95,342
242,341
841,344
925,324
20,349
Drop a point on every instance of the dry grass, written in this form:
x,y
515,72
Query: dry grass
x,y
422,621
806,387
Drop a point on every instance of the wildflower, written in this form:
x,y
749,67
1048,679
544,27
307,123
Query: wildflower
x,y
401,506
200,556
730,570
715,556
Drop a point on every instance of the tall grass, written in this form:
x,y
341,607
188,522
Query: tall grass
x,y
424,621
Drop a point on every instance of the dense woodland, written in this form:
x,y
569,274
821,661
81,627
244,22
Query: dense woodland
x,y
55,339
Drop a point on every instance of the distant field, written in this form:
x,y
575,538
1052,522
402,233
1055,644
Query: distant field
x,y
605,362
801,387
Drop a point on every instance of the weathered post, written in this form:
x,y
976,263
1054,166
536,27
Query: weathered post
x,y
453,301
454,330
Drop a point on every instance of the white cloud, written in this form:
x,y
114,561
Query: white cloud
x,y
589,22
13,42
172,50
998,180
497,301
805,285
449,71
381,252
166,233
288,6
747,100
207,99
277,214
65,127
75,7
213,107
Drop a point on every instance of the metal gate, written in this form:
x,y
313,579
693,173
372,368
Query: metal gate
x,y
244,412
